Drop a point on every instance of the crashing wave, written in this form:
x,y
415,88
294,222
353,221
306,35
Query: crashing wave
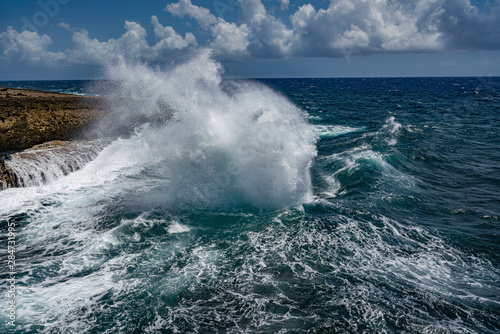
x,y
46,162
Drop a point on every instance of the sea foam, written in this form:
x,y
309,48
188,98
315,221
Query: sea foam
x,y
212,143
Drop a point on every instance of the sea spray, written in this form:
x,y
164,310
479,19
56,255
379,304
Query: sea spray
x,y
213,143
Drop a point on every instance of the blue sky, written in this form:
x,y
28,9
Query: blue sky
x,y
76,39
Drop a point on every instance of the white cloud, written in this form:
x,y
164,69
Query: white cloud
x,y
344,27
168,39
229,40
358,27
65,26
30,48
131,45
200,14
348,27
258,34
271,38
27,47
285,4
302,17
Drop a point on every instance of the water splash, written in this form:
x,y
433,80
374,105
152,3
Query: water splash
x,y
46,162
331,131
213,143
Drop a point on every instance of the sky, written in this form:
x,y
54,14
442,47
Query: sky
x,y
78,39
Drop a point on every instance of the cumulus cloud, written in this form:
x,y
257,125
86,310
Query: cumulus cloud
x,y
167,40
132,45
337,29
360,27
258,34
271,37
348,27
229,40
27,47
31,48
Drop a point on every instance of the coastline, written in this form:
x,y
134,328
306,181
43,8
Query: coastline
x,y
32,121
31,117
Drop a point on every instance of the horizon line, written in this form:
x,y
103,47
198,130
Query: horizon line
x,y
291,78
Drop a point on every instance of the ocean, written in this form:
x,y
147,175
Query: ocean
x,y
344,205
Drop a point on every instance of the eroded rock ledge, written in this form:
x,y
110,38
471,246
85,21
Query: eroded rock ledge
x,y
42,135
47,162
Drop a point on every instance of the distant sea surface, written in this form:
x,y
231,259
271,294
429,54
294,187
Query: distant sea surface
x,y
76,87
386,221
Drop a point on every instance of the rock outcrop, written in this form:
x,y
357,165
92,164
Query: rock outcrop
x,y
41,135
30,117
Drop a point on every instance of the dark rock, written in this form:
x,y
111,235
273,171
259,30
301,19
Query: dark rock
x,y
6,180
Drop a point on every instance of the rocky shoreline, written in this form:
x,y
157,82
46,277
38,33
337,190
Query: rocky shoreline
x,y
46,162
32,121
30,117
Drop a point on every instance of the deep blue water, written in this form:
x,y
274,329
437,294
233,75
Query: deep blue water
x,y
78,87
401,233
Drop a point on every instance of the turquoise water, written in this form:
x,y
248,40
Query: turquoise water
x,y
367,206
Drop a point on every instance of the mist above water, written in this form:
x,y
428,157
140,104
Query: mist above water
x,y
209,142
